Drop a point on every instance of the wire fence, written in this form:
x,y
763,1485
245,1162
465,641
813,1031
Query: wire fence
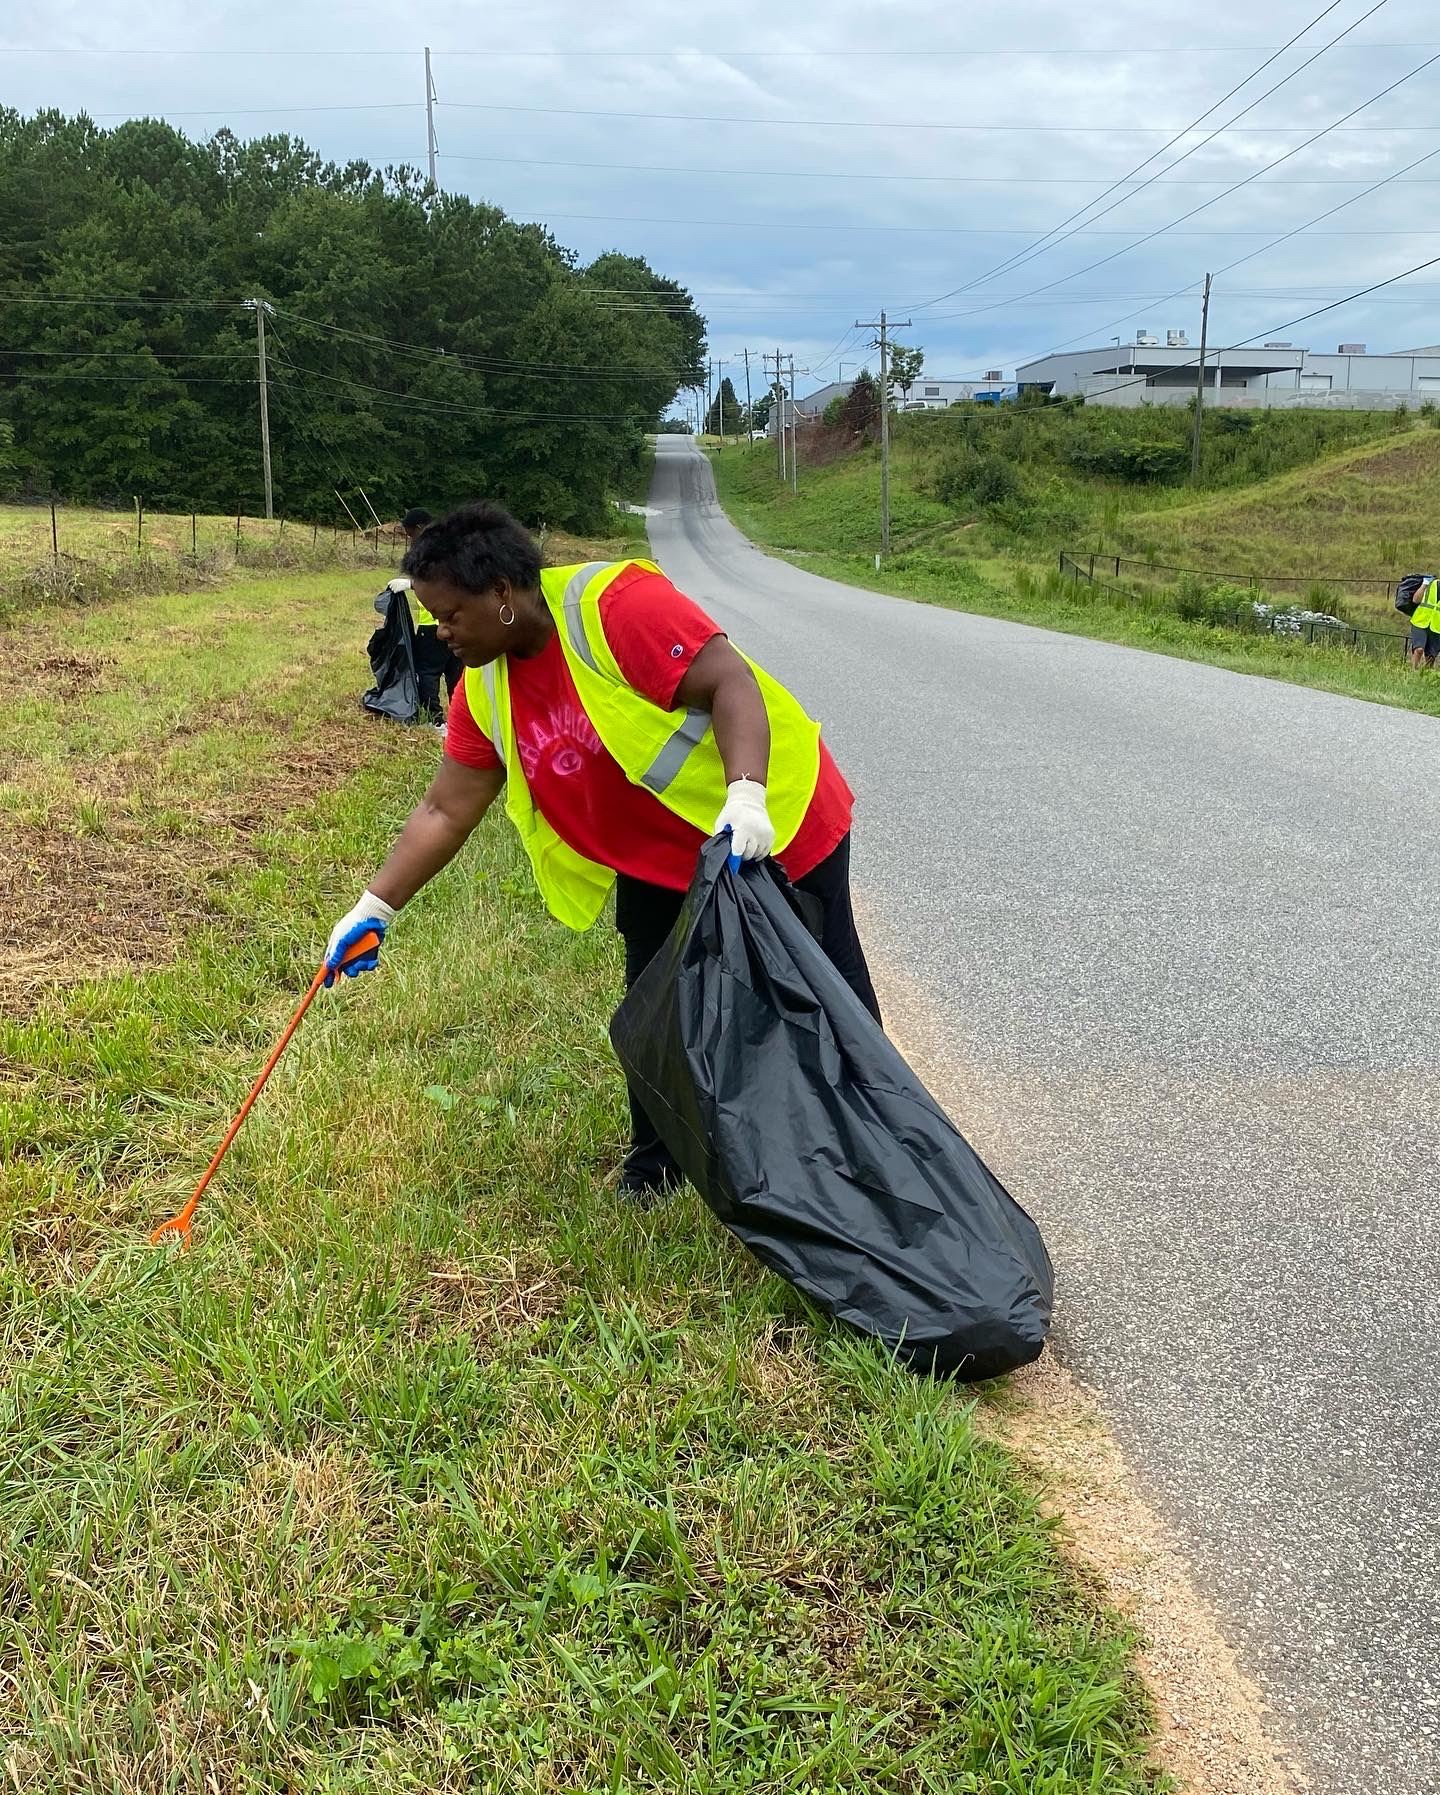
x,y
89,556
1257,619
1121,565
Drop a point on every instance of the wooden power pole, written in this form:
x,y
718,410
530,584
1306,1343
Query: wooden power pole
x,y
264,409
883,343
431,145
1200,383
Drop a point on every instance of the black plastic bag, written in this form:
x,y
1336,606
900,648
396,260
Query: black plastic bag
x,y
814,1143
396,691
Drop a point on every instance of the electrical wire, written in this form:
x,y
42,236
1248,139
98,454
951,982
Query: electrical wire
x,y
482,363
1059,233
1166,229
1152,374
878,124
822,174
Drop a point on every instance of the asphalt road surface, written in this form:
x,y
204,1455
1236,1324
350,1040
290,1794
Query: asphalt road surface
x,y
1178,934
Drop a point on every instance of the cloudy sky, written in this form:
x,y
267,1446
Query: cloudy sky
x,y
799,166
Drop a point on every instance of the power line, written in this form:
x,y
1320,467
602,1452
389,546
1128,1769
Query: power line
x,y
823,174
1060,232
274,111
118,299
29,379
877,124
1275,242
1153,374
444,407
645,54
1165,229
926,230
480,363
139,354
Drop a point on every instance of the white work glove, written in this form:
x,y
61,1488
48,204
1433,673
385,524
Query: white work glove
x,y
752,834
370,914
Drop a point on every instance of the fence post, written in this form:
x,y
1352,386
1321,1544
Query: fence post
x,y
1092,567
280,533
314,534
139,522
54,530
237,536
194,539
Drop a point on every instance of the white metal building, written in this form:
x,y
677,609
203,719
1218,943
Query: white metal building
x,y
1147,372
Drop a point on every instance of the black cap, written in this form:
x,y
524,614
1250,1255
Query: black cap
x,y
416,518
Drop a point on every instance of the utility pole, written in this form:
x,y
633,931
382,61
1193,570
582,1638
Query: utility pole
x,y
884,328
1200,382
794,434
720,399
264,408
748,424
431,144
779,409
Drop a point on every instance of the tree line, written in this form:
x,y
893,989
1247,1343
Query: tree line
x,y
422,347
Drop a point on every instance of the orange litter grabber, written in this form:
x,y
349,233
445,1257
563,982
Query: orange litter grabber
x,y
179,1223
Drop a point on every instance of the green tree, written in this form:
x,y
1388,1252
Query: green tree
x,y
726,416
905,366
861,410
419,342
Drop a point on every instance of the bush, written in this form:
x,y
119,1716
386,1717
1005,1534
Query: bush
x,y
1146,462
969,480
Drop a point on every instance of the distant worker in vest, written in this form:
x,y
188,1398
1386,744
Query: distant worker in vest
x,y
624,730
1424,619
433,660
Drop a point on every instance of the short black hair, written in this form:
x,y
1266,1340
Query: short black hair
x,y
416,518
474,547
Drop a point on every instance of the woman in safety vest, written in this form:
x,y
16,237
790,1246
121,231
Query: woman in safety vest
x,y
624,730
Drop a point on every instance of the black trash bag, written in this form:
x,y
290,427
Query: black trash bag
x,y
396,691
814,1143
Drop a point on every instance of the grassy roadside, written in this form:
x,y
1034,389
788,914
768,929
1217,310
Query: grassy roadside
x,y
432,1467
824,527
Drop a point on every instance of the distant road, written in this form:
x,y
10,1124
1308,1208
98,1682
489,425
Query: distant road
x,y
1179,932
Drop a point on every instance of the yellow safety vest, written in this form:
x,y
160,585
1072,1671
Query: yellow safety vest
x,y
671,753
1426,614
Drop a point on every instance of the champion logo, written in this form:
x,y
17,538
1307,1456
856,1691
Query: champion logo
x,y
559,743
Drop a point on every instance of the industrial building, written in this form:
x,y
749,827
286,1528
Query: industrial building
x,y
1148,372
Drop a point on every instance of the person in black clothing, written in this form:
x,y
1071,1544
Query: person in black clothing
x,y
433,660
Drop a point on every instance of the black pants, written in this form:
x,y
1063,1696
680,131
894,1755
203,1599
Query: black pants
x,y
434,662
645,915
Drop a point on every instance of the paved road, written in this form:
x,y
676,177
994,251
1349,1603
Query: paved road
x,y
1159,915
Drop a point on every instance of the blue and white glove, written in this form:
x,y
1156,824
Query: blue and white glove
x,y
372,915
746,820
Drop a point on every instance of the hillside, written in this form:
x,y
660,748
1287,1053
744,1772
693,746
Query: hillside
x,y
1368,512
1343,509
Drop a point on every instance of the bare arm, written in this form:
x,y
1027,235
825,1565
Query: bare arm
x,y
436,829
720,682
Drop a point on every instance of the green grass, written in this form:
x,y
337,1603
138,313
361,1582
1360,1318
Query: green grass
x,y
1371,512
434,1466
830,529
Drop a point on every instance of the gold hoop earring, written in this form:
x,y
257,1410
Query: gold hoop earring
x,y
507,621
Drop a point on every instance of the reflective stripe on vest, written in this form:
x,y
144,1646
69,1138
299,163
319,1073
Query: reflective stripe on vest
x,y
671,753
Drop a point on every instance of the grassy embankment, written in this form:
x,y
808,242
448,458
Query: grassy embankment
x,y
1365,510
433,1466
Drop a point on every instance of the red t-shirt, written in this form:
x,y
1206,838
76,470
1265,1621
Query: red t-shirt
x,y
655,633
